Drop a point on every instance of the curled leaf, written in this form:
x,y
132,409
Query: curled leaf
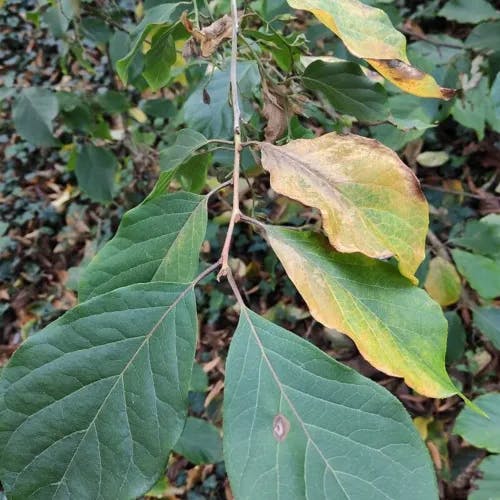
x,y
368,33
370,201
211,36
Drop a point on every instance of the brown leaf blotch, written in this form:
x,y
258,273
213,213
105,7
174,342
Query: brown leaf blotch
x,y
281,427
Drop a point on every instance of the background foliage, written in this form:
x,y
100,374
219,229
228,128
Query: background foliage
x,y
80,149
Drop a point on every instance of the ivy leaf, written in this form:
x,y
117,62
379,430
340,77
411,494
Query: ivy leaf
x,y
159,240
95,171
187,141
485,36
481,236
300,425
487,321
443,282
471,110
200,442
92,405
489,483
482,273
493,109
348,90
462,11
367,32
480,431
395,325
370,201
33,115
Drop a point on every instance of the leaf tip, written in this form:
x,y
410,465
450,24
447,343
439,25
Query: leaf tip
x,y
474,407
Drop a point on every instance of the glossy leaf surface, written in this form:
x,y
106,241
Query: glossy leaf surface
x,y
369,200
298,424
91,406
395,325
159,240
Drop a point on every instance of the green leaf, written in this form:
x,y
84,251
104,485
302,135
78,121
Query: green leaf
x,y
213,117
489,483
455,346
56,20
193,173
199,379
485,36
113,102
200,442
33,115
487,321
482,273
470,111
159,59
300,425
186,142
395,325
95,171
96,29
463,11
481,236
158,15
482,432
162,184
91,406
348,90
159,240
493,110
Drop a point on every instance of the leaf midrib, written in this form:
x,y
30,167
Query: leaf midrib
x,y
113,387
277,380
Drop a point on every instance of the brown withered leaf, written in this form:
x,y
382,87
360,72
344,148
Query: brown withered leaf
x,y
210,37
276,112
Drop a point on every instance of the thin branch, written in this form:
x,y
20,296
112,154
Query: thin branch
x,y
235,213
219,141
251,220
437,43
452,191
438,246
206,272
234,287
219,187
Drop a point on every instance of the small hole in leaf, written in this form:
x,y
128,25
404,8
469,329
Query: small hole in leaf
x,y
281,426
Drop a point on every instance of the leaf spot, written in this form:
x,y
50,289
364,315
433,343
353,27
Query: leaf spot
x,y
281,427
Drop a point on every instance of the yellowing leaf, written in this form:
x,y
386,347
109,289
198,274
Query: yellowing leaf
x,y
396,326
368,33
443,282
370,201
